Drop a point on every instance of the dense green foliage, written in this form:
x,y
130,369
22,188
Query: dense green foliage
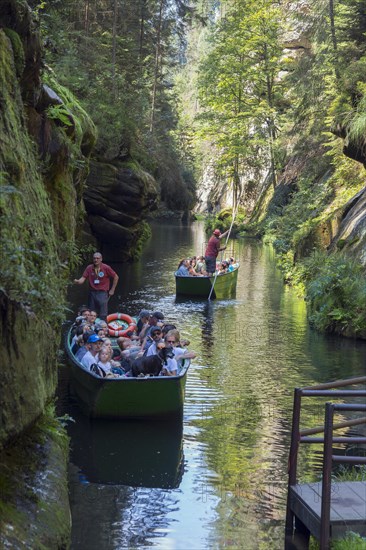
x,y
265,93
335,289
352,542
238,88
119,58
281,97
224,220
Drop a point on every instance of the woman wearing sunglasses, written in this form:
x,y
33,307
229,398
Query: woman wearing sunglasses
x,y
172,339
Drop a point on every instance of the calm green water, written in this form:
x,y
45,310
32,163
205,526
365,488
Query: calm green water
x,y
218,480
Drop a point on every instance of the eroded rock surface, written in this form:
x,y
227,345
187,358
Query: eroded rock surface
x,y
117,197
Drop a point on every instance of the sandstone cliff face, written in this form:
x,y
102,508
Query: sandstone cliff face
x,y
351,233
45,141
117,196
39,185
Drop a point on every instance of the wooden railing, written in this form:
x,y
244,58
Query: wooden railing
x,y
303,436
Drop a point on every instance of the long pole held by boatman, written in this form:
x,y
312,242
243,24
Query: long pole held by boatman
x,y
227,239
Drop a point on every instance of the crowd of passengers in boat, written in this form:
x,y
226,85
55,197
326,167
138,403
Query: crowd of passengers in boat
x,y
196,267
151,347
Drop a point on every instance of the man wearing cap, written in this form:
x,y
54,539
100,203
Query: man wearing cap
x,y
155,320
212,250
85,347
91,356
99,276
143,320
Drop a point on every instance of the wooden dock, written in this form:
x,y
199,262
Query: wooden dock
x,y
347,507
329,509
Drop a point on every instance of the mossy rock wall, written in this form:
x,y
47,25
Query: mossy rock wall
x,y
43,164
28,359
320,236
351,235
45,142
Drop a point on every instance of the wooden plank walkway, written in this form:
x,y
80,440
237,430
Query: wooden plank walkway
x,y
347,509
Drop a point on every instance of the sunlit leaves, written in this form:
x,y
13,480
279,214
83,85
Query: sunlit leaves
x,y
238,83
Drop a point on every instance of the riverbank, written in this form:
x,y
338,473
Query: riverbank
x,y
34,502
326,273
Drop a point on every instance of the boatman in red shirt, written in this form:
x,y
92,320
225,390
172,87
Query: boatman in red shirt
x,y
212,250
99,276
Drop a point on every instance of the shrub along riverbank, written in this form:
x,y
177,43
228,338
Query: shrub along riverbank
x,y
332,283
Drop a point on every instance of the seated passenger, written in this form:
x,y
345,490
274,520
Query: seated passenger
x,y
92,317
233,264
101,325
166,328
155,320
200,266
82,316
85,347
171,366
143,320
100,332
191,269
129,352
222,268
183,269
84,311
103,361
173,339
156,338
78,344
94,343
78,332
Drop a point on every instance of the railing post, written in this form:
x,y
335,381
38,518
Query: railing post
x,y
292,464
327,473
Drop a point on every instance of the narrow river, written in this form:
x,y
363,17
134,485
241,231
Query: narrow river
x,y
218,480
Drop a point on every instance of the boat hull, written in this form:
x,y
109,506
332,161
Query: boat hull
x,y
224,286
127,397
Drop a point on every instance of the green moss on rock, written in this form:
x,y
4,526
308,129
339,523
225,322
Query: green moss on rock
x,y
18,51
144,236
34,508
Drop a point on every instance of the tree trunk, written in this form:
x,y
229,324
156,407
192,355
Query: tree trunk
x,y
157,66
334,38
236,184
114,47
142,27
270,120
86,17
332,25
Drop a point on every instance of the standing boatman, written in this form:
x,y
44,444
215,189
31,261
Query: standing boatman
x,y
99,277
212,250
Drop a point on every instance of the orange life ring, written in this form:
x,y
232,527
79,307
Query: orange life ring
x,y
115,329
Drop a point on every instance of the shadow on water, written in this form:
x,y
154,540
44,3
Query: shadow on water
x,y
133,453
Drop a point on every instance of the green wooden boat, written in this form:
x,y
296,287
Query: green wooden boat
x,y
126,397
224,286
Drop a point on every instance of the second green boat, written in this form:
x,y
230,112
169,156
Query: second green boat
x,y
224,286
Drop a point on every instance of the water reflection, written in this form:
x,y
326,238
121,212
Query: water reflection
x,y
252,352
137,454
